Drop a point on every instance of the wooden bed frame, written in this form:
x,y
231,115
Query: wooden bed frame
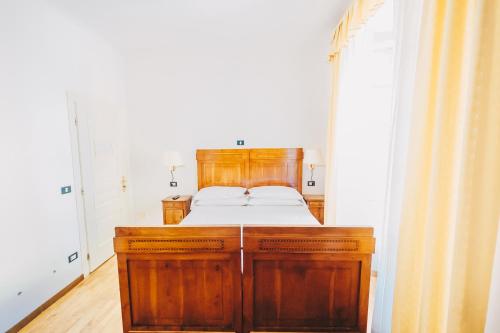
x,y
179,278
293,279
306,279
250,167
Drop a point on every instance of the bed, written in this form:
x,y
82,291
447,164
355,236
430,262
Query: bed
x,y
250,215
245,268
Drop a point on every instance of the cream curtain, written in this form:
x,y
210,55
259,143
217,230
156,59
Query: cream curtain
x,y
356,15
353,19
452,198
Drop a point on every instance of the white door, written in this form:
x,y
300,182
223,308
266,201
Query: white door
x,y
99,133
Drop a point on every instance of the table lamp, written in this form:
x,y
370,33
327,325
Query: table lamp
x,y
172,160
312,158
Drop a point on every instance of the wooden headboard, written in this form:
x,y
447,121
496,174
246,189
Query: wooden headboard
x,y
250,167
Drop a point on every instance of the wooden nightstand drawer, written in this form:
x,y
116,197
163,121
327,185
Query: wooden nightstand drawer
x,y
316,204
318,213
174,211
174,204
173,216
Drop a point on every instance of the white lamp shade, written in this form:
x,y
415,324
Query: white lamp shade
x,y
313,157
172,159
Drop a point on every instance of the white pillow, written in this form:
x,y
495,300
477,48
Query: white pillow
x,y
275,202
220,192
276,192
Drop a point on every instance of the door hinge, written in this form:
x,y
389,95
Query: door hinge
x,y
88,256
76,121
82,191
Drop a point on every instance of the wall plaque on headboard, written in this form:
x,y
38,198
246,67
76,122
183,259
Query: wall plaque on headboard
x,y
250,167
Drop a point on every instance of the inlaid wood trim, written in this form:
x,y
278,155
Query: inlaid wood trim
x,y
309,240
309,245
175,245
174,239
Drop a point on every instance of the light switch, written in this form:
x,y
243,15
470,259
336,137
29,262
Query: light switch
x,y
72,257
66,189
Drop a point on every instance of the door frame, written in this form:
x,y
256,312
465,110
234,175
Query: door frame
x,y
75,126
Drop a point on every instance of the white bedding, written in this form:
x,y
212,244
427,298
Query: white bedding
x,y
250,215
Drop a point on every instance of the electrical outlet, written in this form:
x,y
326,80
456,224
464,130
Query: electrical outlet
x,y
173,184
240,142
66,189
311,183
72,257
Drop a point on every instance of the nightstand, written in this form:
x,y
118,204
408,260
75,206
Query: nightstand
x,y
316,204
175,210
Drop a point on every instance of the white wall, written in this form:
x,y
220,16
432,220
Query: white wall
x,y
42,55
208,97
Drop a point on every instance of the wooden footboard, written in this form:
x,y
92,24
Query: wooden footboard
x,y
306,279
179,278
309,279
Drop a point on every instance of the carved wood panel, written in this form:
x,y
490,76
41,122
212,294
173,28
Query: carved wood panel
x,y
183,293
300,295
250,167
306,279
179,278
222,167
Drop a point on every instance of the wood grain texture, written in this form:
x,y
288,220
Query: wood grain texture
x,y
250,167
26,320
179,278
94,306
306,279
316,204
276,167
222,167
174,211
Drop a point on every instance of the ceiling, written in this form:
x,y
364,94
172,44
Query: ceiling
x,y
132,25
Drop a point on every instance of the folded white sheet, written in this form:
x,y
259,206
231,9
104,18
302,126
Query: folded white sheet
x,y
250,215
275,202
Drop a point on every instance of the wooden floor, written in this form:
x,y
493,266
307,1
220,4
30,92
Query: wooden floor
x,y
94,306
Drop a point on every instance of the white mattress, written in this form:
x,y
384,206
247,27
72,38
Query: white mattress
x,y
250,215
